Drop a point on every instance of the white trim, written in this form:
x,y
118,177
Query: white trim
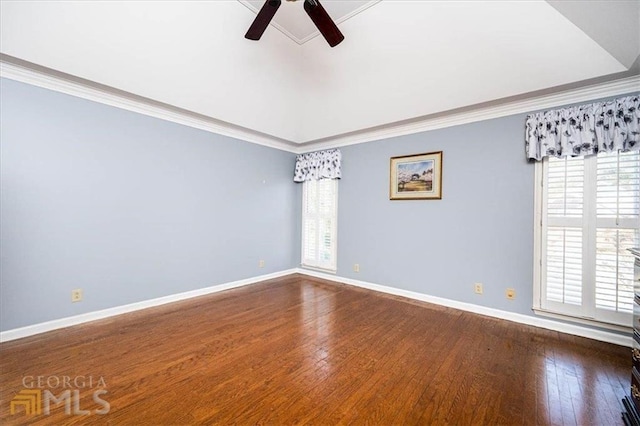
x,y
30,330
574,329
480,113
131,102
313,268
538,203
587,321
63,83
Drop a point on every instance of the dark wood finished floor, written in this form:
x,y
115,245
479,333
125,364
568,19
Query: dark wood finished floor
x,y
302,351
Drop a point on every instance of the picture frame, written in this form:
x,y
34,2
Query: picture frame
x,y
416,177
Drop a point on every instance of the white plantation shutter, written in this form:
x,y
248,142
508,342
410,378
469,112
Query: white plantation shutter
x,y
618,212
319,223
565,204
565,188
618,185
564,265
614,269
590,217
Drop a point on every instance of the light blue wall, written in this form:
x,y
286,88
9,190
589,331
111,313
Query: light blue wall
x,y
129,207
481,230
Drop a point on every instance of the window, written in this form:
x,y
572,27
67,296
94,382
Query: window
x,y
588,216
319,223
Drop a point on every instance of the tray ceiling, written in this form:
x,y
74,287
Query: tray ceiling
x,y
401,61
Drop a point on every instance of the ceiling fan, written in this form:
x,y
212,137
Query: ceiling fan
x,y
314,9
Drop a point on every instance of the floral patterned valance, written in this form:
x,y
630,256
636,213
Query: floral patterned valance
x,y
318,165
585,129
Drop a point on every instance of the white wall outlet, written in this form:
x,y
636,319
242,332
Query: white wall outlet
x,y
356,267
76,295
261,263
511,293
477,287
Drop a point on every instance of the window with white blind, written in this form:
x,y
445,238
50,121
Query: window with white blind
x,y
319,223
589,215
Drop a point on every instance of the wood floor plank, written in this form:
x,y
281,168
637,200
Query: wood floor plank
x,y
300,350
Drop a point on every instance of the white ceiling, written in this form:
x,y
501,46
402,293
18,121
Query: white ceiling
x,y
401,60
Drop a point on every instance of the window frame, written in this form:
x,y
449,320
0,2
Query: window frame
x,y
590,314
319,266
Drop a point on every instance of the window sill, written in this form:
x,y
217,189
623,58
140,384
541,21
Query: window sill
x,y
586,321
317,269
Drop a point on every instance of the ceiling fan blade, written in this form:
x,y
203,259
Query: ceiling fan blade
x,y
323,21
262,20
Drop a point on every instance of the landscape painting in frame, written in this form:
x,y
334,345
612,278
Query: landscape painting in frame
x,y
416,177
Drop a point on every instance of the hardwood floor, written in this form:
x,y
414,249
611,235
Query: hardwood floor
x,y
298,350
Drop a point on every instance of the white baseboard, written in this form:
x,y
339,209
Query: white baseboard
x,y
574,329
30,330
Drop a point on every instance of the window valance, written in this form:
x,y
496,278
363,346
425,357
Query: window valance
x,y
318,165
584,129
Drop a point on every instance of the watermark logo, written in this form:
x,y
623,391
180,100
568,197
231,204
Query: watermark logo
x,y
30,399
44,393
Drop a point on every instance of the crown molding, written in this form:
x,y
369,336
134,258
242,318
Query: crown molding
x,y
85,89
26,72
479,113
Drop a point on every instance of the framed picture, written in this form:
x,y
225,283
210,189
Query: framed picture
x,y
416,177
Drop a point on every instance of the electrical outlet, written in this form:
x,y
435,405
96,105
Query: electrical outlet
x,y
76,295
478,288
511,294
261,263
356,267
